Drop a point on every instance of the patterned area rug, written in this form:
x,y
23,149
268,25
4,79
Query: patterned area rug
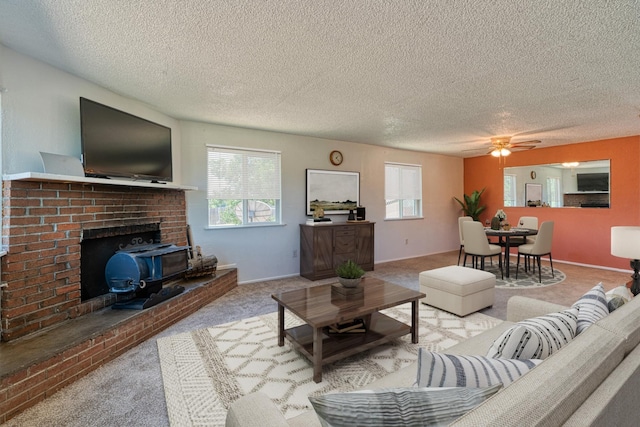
x,y
526,279
205,370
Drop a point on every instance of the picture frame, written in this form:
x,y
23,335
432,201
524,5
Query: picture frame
x,y
533,194
336,192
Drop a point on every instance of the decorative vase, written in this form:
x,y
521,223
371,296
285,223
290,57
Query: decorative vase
x,y
495,223
349,283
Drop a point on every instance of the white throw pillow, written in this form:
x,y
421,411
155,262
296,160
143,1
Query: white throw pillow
x,y
592,307
536,338
619,291
407,406
449,370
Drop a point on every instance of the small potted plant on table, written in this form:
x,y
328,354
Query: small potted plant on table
x,y
349,274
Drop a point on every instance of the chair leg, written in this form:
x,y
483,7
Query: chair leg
x,y
500,265
551,262
539,259
460,254
518,265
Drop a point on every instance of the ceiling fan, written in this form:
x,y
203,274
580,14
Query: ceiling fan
x,y
501,146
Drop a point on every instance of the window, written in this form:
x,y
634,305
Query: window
x,y
509,190
243,186
554,196
403,191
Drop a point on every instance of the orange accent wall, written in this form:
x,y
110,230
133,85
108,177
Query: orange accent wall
x,y
581,235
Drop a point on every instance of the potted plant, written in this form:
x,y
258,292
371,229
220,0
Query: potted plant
x,y
349,274
471,205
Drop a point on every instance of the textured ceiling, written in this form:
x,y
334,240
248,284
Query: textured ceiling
x,y
435,76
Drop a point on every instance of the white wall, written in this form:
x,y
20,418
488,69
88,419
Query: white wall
x,y
267,252
40,112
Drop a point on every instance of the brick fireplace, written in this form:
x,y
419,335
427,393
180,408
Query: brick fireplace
x,y
44,225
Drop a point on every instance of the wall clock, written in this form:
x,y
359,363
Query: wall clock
x,y
533,174
335,157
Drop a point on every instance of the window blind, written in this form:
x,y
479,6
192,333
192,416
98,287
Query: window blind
x,y
402,182
235,173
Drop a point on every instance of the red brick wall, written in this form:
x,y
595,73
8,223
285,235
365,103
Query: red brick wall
x,y
42,226
33,383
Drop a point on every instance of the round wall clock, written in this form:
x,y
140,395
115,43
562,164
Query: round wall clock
x,y
533,174
335,157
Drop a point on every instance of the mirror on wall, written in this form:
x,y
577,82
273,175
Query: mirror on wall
x,y
574,184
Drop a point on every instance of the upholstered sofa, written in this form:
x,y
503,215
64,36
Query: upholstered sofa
x,y
592,381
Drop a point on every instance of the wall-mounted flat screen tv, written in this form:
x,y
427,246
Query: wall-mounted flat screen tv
x,y
593,181
119,144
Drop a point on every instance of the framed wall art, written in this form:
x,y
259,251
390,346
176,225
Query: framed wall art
x,y
533,194
335,192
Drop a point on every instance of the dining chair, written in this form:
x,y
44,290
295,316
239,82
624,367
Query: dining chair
x,y
530,222
476,245
541,247
461,220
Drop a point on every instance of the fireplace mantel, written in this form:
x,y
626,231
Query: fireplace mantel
x,y
48,177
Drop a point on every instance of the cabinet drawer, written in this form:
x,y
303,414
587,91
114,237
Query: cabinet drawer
x,y
345,244
345,231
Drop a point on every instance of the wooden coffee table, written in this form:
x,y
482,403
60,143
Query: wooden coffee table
x,y
322,306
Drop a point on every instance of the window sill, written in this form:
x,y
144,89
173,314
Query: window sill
x,y
404,219
225,227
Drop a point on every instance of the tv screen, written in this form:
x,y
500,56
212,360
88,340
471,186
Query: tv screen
x,y
593,181
118,144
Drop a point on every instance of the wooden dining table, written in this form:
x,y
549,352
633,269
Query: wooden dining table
x,y
507,235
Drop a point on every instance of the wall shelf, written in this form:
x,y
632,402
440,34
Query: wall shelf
x,y
47,177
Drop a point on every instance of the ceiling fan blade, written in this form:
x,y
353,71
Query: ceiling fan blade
x,y
523,147
532,141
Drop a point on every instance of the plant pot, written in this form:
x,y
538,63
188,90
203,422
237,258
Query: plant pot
x,y
349,283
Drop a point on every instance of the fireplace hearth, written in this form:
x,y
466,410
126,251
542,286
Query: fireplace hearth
x,y
47,228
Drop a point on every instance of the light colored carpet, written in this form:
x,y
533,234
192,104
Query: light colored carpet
x,y
129,390
203,371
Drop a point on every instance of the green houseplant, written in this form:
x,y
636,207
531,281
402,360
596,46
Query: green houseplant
x,y
471,205
349,274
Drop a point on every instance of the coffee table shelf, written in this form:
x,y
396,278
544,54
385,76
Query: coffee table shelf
x,y
380,329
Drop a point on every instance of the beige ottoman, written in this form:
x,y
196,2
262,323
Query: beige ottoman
x,y
459,290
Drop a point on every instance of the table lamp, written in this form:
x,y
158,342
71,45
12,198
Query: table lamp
x,y
625,243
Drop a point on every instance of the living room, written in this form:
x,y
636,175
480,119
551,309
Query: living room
x,y
40,112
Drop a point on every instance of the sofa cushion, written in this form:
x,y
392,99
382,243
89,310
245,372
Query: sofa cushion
x,y
536,338
448,370
619,291
592,306
399,406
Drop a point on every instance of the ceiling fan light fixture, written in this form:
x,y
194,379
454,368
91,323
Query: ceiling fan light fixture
x,y
500,152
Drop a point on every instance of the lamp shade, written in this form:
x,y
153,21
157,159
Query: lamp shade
x,y
625,242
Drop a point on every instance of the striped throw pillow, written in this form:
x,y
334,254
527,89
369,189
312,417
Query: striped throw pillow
x,y
449,370
592,306
536,338
408,406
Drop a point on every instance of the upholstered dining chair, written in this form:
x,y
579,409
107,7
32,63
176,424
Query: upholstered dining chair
x,y
477,245
461,220
541,247
530,222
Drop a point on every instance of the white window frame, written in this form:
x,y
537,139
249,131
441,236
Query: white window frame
x,y
510,199
246,189
403,190
554,192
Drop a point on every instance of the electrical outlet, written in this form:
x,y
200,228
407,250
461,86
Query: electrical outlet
x,y
295,253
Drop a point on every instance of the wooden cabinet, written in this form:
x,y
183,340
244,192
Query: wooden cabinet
x,y
324,247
